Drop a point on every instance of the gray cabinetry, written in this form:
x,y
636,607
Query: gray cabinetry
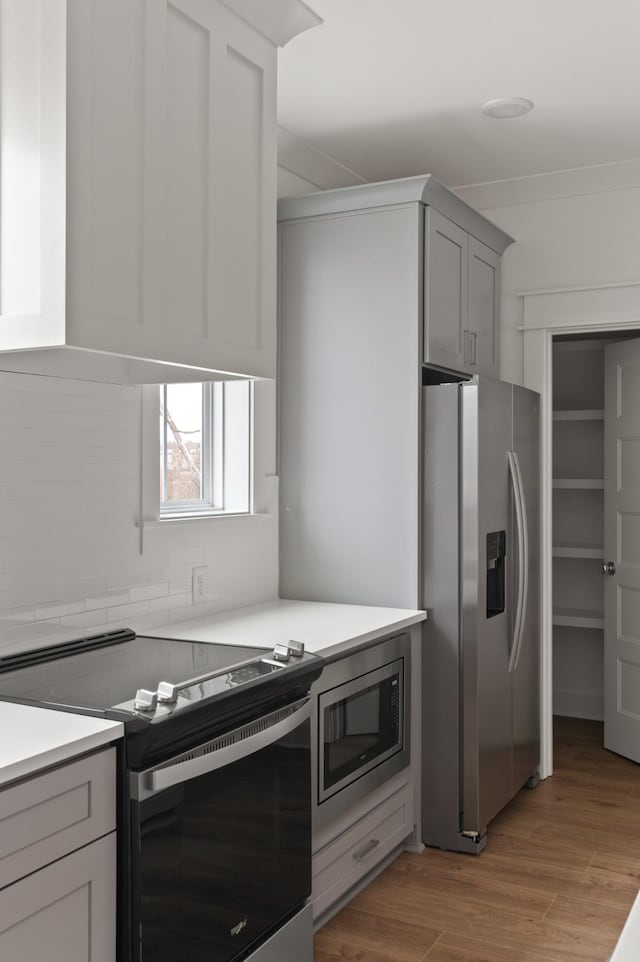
x,y
66,911
483,309
461,299
58,864
355,298
446,340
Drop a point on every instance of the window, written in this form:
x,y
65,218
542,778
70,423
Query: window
x,y
205,448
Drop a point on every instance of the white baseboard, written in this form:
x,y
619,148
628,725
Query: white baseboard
x,y
578,704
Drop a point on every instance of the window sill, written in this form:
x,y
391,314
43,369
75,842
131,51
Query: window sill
x,y
192,518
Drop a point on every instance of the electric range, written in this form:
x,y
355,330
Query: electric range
x,y
214,787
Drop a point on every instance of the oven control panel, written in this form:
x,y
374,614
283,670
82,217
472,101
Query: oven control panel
x,y
173,695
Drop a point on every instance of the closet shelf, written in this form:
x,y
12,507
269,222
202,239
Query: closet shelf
x,y
578,551
579,415
578,618
584,483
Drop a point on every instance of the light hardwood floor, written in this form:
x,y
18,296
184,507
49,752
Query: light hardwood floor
x,y
554,884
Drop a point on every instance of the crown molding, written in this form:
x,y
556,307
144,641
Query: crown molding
x,y
581,181
277,20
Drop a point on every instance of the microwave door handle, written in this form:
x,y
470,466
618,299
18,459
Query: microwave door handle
x,y
151,782
514,474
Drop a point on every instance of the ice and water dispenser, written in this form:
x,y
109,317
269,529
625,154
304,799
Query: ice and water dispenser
x,y
496,557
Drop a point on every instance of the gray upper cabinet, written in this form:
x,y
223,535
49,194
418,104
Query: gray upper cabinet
x,y
458,253
483,309
445,298
461,299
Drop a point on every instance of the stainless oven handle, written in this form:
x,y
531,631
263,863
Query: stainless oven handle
x,y
162,778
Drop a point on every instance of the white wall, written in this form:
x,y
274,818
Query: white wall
x,y
70,550
572,229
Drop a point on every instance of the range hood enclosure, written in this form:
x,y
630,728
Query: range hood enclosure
x,y
138,186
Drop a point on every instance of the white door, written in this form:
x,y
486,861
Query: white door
x,y
622,549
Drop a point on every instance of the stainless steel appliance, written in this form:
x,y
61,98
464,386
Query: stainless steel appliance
x,y
360,731
480,565
215,788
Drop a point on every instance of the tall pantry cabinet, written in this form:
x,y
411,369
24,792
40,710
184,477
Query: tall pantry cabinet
x,y
383,288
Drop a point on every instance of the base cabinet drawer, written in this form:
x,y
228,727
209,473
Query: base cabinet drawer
x,y
45,817
66,912
347,859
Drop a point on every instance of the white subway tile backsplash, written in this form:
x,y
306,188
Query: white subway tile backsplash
x,y
141,576
125,612
179,586
170,601
186,555
88,619
70,556
149,592
106,599
58,610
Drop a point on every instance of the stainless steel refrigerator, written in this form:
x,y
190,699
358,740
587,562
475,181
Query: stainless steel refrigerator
x,y
481,573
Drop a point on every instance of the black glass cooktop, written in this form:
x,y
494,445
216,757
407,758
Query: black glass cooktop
x,y
104,672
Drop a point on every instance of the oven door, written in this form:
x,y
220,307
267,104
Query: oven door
x,y
360,726
224,841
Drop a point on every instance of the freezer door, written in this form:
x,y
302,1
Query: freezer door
x,y
441,662
487,618
525,674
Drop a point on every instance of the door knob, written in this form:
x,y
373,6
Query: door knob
x,y
608,568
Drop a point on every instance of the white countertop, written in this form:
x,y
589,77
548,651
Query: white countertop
x,y
35,738
325,629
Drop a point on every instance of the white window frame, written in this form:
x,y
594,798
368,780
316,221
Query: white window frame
x,y
228,420
211,457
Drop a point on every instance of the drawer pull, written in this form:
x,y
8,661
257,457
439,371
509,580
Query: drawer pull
x,y
366,849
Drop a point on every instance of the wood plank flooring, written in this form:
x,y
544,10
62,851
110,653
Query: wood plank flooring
x,y
554,884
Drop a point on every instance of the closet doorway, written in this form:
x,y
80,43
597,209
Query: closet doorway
x,y
605,312
596,534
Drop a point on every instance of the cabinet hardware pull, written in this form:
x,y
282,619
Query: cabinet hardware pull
x,y
366,849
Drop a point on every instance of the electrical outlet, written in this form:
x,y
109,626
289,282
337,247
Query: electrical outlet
x,y
199,586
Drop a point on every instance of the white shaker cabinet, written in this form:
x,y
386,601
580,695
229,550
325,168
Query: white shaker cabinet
x,y
58,864
138,185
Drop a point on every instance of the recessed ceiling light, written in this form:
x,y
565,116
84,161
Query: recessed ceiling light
x,y
506,107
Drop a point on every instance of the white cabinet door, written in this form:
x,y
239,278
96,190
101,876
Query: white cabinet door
x,y
483,309
65,912
171,166
142,223
446,252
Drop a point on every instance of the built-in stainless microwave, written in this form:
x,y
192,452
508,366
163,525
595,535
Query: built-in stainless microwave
x,y
361,735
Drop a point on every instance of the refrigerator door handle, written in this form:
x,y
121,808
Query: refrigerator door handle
x,y
523,552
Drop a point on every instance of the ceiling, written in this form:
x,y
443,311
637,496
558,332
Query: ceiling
x,y
392,88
